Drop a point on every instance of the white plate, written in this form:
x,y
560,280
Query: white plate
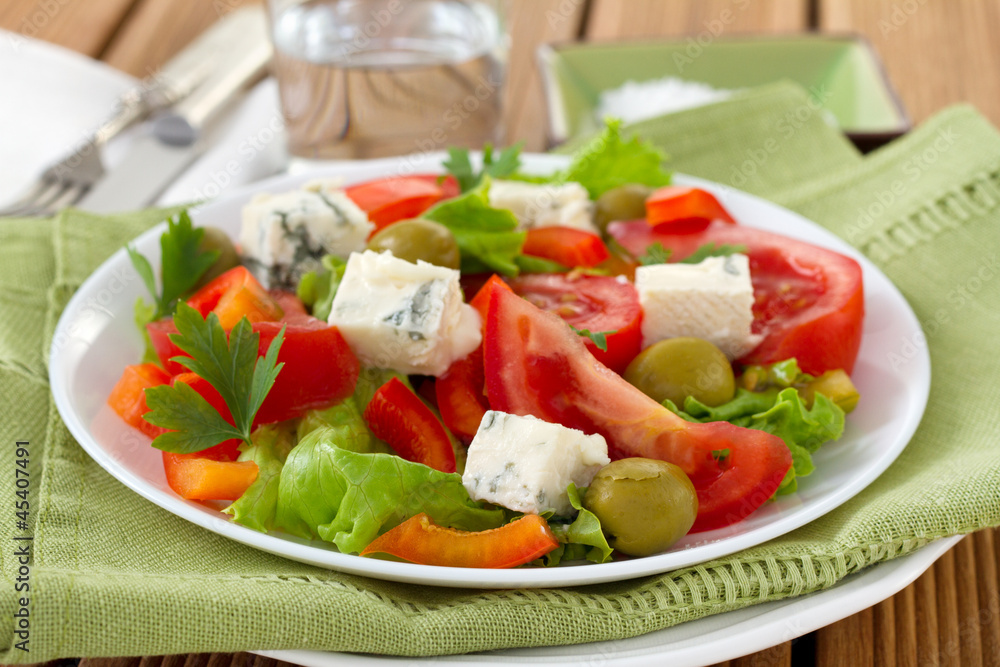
x,y
96,338
705,641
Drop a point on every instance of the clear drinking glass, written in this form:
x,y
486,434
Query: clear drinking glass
x,y
373,78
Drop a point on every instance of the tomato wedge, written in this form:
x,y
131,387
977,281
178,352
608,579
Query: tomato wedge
x,y
389,200
594,303
683,209
397,416
808,301
234,295
319,367
535,365
420,540
128,397
566,245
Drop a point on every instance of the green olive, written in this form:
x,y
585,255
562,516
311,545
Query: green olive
x,y
626,202
676,368
418,239
644,505
216,239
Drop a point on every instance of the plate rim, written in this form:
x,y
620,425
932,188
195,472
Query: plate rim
x,y
449,576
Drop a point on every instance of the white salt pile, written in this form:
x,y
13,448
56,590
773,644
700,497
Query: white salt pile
x,y
638,100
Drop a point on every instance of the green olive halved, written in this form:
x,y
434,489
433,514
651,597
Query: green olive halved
x,y
418,239
644,505
676,368
626,202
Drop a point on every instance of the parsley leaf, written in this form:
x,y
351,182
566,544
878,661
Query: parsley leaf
x,y
655,254
183,263
608,160
487,237
712,250
459,165
599,337
231,367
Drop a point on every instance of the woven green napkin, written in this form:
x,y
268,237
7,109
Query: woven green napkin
x,y
115,575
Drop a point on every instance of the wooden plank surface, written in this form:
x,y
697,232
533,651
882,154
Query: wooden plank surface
x,y
617,19
937,53
86,27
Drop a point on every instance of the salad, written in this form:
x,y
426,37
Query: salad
x,y
486,368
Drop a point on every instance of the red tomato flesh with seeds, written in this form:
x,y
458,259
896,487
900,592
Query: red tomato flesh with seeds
x,y
808,301
595,303
535,365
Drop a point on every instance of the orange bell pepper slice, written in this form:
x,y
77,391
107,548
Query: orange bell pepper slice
x,y
128,398
195,477
420,540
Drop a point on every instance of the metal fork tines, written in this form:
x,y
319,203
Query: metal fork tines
x,y
61,185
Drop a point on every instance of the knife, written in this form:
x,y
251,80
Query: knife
x,y
174,138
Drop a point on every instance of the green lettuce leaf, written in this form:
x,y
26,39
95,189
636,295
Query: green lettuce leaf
x,y
486,236
582,539
348,498
608,160
255,508
780,412
317,288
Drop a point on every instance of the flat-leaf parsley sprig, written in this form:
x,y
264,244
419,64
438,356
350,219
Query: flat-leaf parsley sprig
x,y
231,366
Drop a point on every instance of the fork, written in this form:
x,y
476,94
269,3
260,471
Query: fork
x,y
66,182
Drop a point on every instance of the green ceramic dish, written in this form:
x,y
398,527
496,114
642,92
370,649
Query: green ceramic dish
x,y
842,72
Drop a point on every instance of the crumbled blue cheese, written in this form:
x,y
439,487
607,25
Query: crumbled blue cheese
x,y
712,300
526,464
545,205
285,235
404,316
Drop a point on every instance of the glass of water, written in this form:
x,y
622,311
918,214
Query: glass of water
x,y
375,78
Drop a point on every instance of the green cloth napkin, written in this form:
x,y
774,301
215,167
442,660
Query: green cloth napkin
x,y
115,575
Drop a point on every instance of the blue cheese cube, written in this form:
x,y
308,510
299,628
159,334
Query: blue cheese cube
x,y
545,205
712,300
285,235
526,464
404,316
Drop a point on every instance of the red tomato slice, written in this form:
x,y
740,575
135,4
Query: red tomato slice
x,y
535,365
319,369
234,295
420,540
128,397
566,245
808,301
397,416
460,395
389,200
682,209
595,303
448,183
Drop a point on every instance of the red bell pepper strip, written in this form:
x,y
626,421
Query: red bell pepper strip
x,y
535,365
460,395
234,295
565,245
420,540
683,209
398,416
389,200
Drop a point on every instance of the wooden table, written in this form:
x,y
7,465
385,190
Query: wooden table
x,y
937,53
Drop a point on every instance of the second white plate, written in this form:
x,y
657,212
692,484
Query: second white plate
x,y
96,338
